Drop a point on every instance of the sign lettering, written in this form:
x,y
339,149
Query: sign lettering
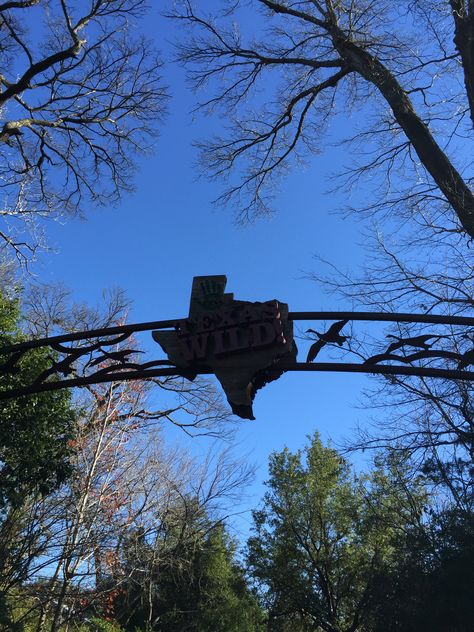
x,y
242,342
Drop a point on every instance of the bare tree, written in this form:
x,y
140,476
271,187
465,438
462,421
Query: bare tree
x,y
406,66
80,94
196,408
126,480
401,73
432,419
54,550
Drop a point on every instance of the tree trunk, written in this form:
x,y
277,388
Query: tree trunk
x,y
464,42
435,161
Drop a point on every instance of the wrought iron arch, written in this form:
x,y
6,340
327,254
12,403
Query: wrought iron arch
x,y
107,355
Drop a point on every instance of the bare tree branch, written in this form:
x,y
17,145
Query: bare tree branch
x,y
74,117
380,60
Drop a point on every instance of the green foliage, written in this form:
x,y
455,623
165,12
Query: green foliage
x,y
196,585
225,602
34,430
17,611
321,535
102,625
431,587
6,621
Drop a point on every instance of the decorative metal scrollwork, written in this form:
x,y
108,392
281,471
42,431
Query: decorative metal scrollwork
x,y
82,358
99,355
245,345
402,355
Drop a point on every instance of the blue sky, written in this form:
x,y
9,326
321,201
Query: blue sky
x,y
167,231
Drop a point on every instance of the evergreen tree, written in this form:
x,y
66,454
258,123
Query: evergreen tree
x,y
187,581
321,535
35,430
431,587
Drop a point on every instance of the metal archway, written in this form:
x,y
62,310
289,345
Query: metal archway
x,y
106,355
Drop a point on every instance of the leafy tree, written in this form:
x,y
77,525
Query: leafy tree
x,y
431,585
225,600
35,453
35,431
321,535
193,583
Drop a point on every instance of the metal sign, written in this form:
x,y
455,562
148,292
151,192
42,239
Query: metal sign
x,y
244,344
241,343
